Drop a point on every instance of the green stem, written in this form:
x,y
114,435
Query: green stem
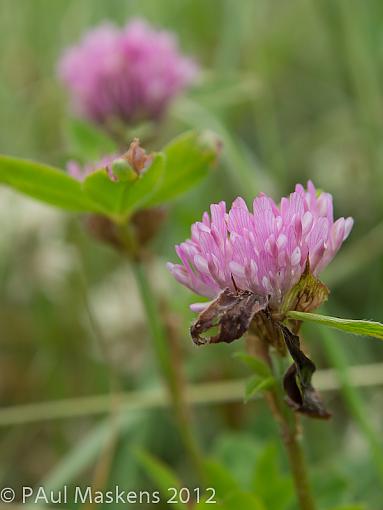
x,y
293,445
155,324
167,365
289,430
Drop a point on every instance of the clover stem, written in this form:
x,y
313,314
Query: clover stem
x,y
289,429
166,353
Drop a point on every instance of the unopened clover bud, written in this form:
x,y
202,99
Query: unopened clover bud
x,y
210,141
123,171
125,168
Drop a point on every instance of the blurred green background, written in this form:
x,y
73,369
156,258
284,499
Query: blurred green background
x,y
294,89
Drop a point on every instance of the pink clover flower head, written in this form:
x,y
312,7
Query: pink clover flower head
x,y
130,74
265,250
80,172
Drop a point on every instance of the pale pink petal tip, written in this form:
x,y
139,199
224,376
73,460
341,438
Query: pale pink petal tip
x,y
199,307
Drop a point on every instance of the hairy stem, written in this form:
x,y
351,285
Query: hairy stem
x,y
289,430
166,354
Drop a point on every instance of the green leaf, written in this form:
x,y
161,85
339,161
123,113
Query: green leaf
x,y
263,378
258,366
184,162
238,453
349,507
161,475
204,505
242,168
220,479
87,142
356,327
119,199
139,195
279,494
244,501
107,194
254,385
44,183
188,159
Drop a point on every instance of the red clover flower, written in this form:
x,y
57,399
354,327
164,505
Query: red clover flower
x,y
257,266
264,251
130,74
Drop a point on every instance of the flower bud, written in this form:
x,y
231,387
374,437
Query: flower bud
x,y
123,171
137,158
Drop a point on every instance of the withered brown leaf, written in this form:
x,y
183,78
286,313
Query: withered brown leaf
x,y
302,396
232,312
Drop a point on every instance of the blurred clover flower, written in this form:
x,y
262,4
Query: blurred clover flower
x,y
80,172
130,74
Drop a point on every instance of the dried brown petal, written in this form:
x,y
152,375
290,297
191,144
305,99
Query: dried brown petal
x,y
232,312
267,330
302,396
136,157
